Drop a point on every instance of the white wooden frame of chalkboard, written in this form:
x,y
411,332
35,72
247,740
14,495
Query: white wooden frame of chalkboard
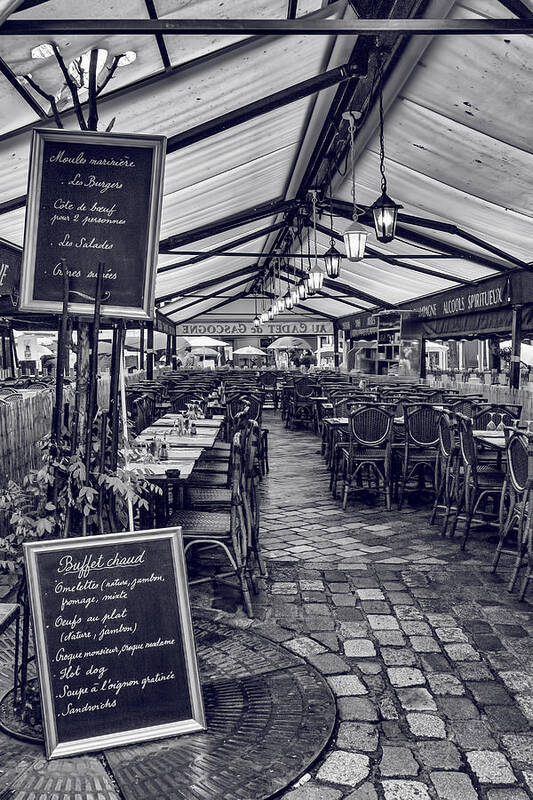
x,y
57,749
27,302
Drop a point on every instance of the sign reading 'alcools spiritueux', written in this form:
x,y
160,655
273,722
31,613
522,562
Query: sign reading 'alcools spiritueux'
x,y
92,198
296,327
114,640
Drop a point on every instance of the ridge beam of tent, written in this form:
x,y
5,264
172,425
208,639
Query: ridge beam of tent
x,y
266,27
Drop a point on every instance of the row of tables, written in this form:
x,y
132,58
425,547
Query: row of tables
x,y
184,451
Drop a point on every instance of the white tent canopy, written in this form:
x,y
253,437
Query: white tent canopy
x,y
459,152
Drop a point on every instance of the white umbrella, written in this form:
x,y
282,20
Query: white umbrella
x,y
249,351
204,341
288,342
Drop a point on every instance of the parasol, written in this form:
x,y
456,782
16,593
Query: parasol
x,y
204,341
288,343
249,351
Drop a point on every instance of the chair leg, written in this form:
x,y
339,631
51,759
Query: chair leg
x,y
455,518
245,591
345,492
438,496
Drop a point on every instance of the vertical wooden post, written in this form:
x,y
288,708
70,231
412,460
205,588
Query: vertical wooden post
x,y
114,400
173,351
93,368
150,351
57,417
514,367
14,356
495,361
335,344
168,357
377,348
141,348
423,368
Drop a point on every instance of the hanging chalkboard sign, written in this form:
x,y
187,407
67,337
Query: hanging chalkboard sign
x,y
92,197
114,640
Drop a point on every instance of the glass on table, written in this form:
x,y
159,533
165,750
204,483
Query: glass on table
x,y
501,425
491,425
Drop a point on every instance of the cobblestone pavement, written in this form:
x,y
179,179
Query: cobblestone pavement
x,y
429,656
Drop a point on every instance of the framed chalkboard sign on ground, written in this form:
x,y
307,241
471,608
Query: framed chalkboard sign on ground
x,y
114,640
92,197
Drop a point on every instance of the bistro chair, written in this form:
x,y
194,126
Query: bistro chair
x,y
301,405
420,448
481,483
368,450
508,413
465,405
516,498
226,530
449,464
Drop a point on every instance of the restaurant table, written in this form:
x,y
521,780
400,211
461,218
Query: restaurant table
x,y
184,452
493,439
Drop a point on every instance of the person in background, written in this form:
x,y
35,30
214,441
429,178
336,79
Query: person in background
x,y
190,359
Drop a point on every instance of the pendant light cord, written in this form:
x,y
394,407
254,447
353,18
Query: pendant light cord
x,y
381,135
355,215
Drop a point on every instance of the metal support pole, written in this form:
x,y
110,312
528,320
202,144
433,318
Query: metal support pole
x,y
141,348
336,345
150,351
514,369
423,370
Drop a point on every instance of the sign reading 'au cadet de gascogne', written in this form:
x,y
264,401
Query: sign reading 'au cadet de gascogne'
x,y
92,198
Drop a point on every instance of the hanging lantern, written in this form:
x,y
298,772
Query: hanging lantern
x,y
385,212
271,313
263,318
332,259
280,305
354,241
302,290
289,300
295,296
257,321
315,280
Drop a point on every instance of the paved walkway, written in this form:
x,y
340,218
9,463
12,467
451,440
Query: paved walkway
x,y
430,658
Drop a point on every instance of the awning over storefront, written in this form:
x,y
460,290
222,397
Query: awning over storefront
x,y
478,310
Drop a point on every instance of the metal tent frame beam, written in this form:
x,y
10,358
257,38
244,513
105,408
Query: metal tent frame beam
x,y
206,254
445,276
208,310
267,209
203,298
251,269
343,209
268,27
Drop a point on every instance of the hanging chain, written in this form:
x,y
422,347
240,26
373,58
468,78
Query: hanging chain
x,y
381,135
352,153
315,242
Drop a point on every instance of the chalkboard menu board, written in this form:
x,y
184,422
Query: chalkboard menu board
x,y
114,641
92,198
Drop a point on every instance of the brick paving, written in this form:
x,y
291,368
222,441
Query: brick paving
x,y
429,658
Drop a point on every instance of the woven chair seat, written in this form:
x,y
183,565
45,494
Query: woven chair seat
x,y
427,454
218,467
205,496
208,479
370,453
198,523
